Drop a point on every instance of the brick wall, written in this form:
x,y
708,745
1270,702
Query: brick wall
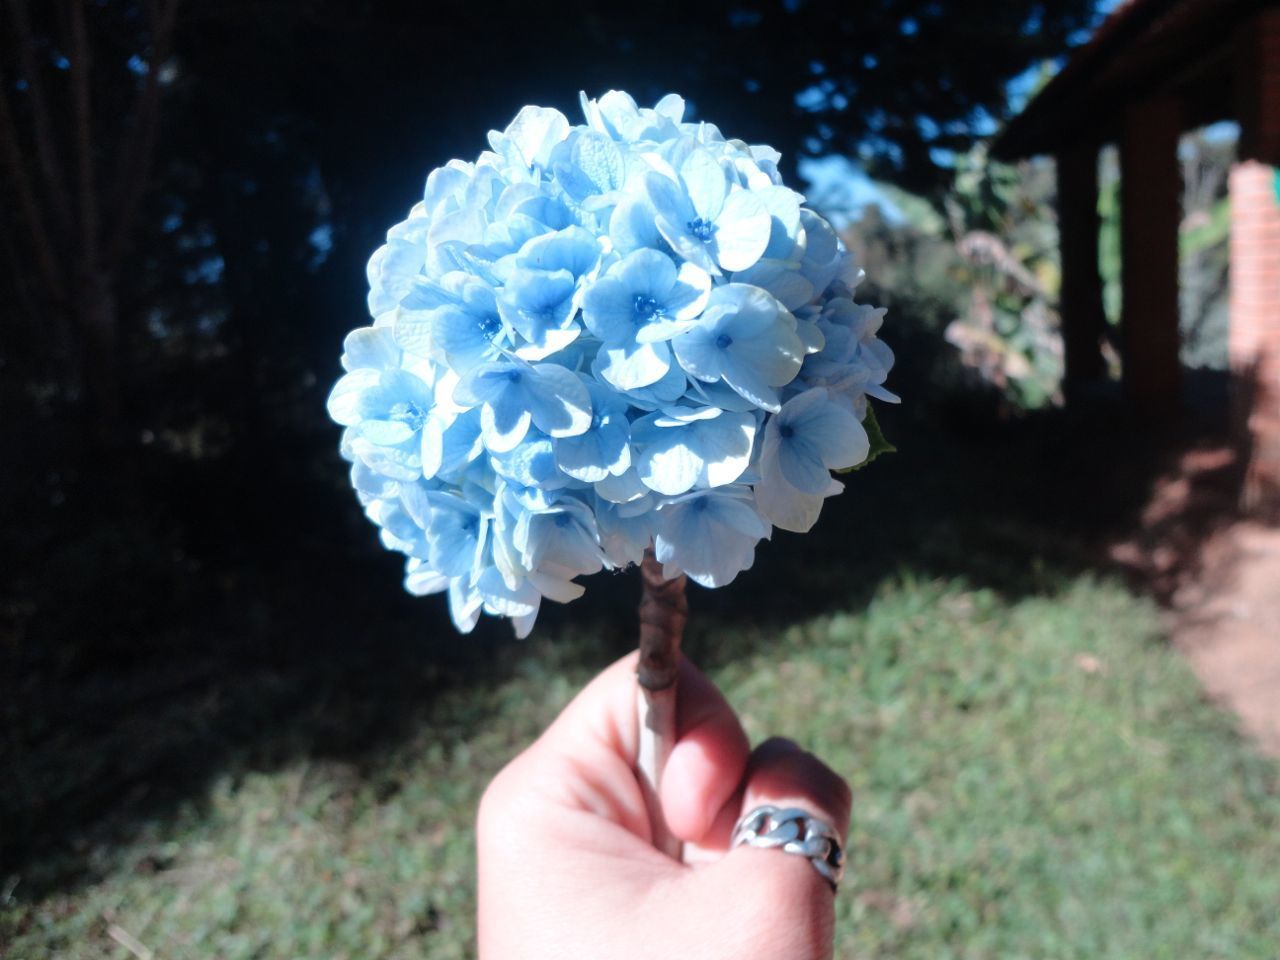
x,y
1254,342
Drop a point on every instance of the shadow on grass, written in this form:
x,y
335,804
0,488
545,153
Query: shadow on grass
x,y
235,620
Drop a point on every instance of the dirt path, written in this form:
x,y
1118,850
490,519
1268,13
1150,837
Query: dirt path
x,y
1229,627
1219,579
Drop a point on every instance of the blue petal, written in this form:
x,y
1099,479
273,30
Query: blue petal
x,y
699,353
788,508
446,182
558,401
503,600
838,440
781,278
632,226
742,231
624,488
465,604
623,538
536,302
505,420
403,462
447,448
462,226
564,536
512,233
453,534
747,338
608,310
591,164
373,347
346,403
706,537
370,483
667,390
603,450
421,581
531,464
822,257
572,249
634,366
394,268
802,466
535,132
783,205
385,433
466,339
672,459
673,215
646,273
704,183
687,296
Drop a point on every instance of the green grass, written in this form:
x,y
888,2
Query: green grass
x,y
1034,778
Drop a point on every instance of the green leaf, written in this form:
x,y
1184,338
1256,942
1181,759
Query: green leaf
x,y
879,444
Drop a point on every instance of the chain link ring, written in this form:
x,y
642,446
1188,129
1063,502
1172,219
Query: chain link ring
x,y
794,830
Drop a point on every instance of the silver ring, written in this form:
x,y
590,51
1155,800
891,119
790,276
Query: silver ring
x,y
794,831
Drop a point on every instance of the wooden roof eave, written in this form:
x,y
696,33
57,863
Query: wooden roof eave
x,y
1182,47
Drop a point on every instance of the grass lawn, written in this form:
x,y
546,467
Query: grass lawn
x,y
1035,776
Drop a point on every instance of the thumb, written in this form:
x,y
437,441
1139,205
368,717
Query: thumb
x,y
773,905
707,762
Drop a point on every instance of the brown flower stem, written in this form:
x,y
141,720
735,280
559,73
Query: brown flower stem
x,y
664,610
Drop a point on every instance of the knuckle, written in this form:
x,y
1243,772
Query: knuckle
x,y
496,802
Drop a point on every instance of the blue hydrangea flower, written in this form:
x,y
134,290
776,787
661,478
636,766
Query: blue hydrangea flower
x,y
626,529
603,449
809,437
645,298
560,536
642,301
711,536
598,339
458,325
746,338
704,219
682,448
514,395
853,361
542,287
383,405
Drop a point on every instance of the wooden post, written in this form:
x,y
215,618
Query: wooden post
x,y
1150,215
1083,320
1257,64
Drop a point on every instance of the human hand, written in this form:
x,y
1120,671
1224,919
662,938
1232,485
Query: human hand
x,y
566,866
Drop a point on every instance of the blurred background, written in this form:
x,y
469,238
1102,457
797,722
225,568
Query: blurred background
x,y
1042,640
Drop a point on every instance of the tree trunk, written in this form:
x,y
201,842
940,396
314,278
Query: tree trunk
x,y
100,358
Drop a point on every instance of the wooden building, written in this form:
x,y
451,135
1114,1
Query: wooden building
x,y
1154,69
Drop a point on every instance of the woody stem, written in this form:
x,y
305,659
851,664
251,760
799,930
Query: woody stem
x,y
664,610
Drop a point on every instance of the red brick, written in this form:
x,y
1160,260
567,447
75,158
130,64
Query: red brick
x,y
1254,338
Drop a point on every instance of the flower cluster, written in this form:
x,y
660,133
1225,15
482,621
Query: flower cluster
x,y
598,339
